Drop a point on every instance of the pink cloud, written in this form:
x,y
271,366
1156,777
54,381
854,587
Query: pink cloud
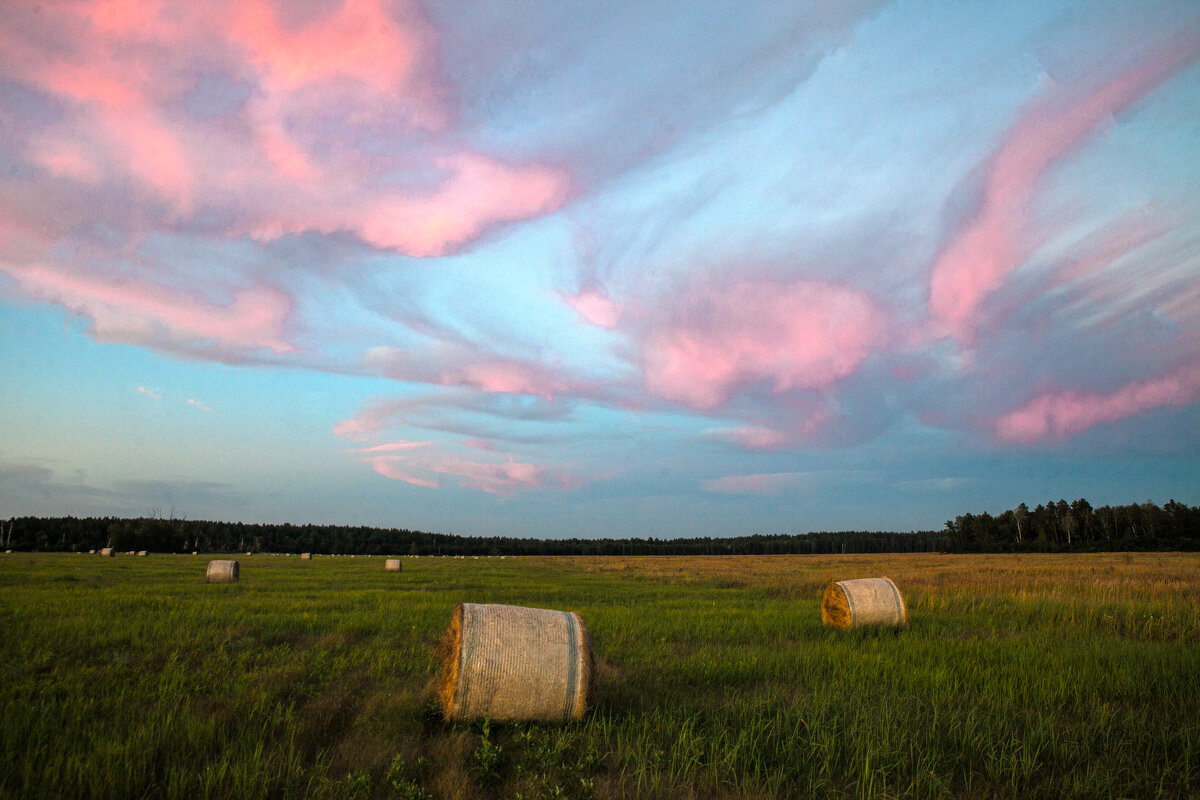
x,y
193,402
475,193
392,468
750,437
64,159
398,462
125,71
366,422
1060,415
990,246
149,393
595,308
759,484
506,478
505,378
390,447
460,365
798,336
140,311
361,41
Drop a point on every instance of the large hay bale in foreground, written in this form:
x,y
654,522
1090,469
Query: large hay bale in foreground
x,y
392,565
513,663
222,572
106,552
863,602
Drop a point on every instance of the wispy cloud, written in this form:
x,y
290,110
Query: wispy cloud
x,y
767,483
795,336
145,312
1060,415
994,241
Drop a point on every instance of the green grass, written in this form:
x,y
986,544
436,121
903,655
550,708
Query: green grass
x,y
1018,677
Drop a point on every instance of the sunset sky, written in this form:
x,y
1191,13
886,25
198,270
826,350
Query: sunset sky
x,y
597,269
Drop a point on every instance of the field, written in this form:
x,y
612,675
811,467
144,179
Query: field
x,y
1018,677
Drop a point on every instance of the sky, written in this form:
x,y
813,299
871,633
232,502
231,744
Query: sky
x,y
597,269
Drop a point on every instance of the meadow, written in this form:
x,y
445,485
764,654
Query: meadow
x,y
1027,676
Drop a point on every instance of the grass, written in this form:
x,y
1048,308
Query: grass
x,y
1018,677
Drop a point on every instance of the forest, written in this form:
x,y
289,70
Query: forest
x,y
1051,527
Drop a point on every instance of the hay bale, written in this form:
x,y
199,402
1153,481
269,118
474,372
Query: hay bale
x,y
222,572
141,553
392,565
306,556
863,602
106,552
513,663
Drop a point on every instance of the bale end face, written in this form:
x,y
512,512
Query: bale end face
x,y
835,611
450,652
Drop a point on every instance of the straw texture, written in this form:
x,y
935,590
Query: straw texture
x,y
392,565
513,663
222,572
863,602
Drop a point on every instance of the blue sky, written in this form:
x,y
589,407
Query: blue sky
x,y
635,269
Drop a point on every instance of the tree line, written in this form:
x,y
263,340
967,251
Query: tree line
x,y
1050,527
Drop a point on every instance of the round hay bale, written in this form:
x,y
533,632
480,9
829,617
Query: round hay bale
x,y
106,552
142,553
306,556
222,572
863,602
392,565
513,663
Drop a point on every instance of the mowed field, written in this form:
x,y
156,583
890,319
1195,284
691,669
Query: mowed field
x,y
1018,676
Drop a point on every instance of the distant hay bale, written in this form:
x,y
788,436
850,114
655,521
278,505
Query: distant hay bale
x,y
513,663
392,565
92,552
863,602
306,556
106,552
222,572
141,552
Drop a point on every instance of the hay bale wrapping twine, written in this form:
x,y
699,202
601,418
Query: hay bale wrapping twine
x,y
513,663
222,572
863,602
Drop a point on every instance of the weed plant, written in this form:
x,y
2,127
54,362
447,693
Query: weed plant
x,y
1018,677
